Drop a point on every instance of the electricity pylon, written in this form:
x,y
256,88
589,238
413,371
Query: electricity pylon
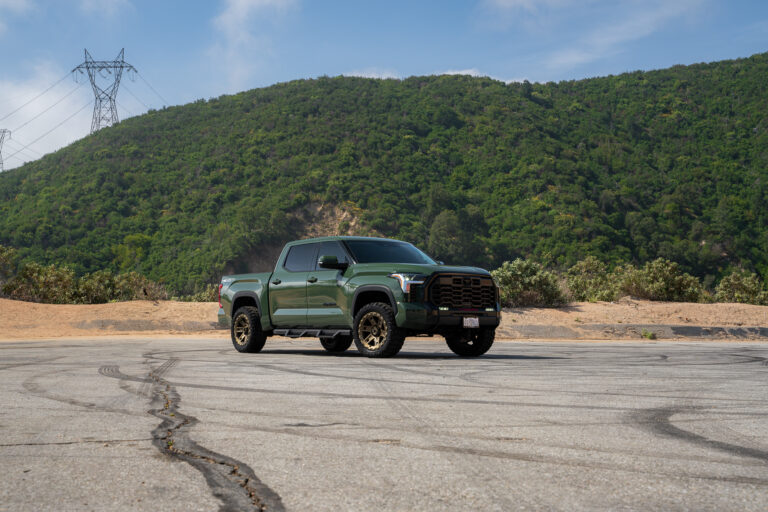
x,y
3,133
105,105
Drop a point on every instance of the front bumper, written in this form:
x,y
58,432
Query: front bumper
x,y
425,318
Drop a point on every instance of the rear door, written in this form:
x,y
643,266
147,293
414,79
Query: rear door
x,y
288,286
324,291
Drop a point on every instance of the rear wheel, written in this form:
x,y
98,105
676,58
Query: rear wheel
x,y
470,342
375,331
337,344
247,335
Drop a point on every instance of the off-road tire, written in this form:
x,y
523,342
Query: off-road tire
x,y
336,345
246,332
470,342
375,332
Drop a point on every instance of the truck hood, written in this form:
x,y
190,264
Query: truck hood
x,y
365,268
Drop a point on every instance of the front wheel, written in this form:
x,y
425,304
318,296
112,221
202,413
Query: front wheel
x,y
337,344
375,331
247,335
470,342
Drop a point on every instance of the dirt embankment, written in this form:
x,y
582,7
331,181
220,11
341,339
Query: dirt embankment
x,y
626,319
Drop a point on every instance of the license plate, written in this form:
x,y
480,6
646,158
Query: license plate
x,y
471,322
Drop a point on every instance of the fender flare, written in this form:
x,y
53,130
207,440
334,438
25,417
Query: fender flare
x,y
374,288
250,294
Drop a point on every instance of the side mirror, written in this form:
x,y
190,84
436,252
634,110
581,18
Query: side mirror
x,y
332,262
440,262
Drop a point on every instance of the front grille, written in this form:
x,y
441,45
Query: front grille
x,y
463,292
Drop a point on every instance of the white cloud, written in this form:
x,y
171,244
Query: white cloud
x,y
373,72
12,7
239,50
470,72
530,5
607,39
105,8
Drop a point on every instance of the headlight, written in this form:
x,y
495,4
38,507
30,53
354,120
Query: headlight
x,y
406,280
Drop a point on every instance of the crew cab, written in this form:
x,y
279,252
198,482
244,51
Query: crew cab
x,y
371,291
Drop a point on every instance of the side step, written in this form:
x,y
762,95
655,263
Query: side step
x,y
312,333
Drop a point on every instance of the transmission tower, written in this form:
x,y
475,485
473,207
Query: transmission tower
x,y
3,133
105,105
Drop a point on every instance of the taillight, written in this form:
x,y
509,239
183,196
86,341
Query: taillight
x,y
220,287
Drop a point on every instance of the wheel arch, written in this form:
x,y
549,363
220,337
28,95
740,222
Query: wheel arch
x,y
245,298
372,293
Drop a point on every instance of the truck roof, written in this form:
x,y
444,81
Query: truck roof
x,y
338,238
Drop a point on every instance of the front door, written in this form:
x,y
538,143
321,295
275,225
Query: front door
x,y
324,290
288,287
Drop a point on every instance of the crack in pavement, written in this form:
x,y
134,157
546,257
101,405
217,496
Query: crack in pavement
x,y
231,481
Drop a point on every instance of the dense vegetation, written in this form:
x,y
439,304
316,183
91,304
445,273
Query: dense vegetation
x,y
628,168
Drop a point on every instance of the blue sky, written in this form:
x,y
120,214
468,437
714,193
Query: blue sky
x,y
187,50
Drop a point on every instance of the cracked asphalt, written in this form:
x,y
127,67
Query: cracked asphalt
x,y
190,424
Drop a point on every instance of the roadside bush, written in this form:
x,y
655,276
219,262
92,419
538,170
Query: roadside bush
x,y
590,280
660,279
58,285
134,286
38,283
209,293
526,283
7,262
97,288
741,286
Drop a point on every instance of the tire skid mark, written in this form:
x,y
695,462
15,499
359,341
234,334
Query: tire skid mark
x,y
231,481
468,466
658,422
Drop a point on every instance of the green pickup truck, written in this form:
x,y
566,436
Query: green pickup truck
x,y
373,291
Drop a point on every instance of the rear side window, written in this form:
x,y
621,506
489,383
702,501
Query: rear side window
x,y
300,258
331,249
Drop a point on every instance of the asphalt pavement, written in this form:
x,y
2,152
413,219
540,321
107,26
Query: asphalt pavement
x,y
190,424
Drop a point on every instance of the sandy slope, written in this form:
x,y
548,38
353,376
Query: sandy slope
x,y
580,320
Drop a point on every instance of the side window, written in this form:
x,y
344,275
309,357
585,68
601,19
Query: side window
x,y
331,249
300,258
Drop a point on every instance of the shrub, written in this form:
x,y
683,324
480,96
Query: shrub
x,y
97,288
37,283
209,293
134,286
7,262
589,280
660,279
58,285
741,286
525,283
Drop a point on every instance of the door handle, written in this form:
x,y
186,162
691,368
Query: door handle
x,y
312,280
276,281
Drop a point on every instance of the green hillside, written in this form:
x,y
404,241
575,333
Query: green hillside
x,y
670,163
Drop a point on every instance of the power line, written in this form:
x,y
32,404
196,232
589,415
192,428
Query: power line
x,y
153,89
49,108
54,128
33,99
135,97
21,143
28,151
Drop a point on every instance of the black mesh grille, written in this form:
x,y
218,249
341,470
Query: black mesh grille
x,y
463,292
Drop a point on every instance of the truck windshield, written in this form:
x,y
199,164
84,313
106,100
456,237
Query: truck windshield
x,y
382,251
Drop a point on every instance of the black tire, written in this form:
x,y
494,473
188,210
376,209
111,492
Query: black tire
x,y
246,332
336,345
375,332
470,342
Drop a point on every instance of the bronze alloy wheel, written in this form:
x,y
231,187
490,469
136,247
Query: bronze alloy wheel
x,y
372,330
242,329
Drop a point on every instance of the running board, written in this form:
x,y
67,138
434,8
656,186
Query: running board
x,y
312,333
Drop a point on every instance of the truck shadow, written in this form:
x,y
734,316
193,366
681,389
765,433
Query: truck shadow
x,y
352,353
